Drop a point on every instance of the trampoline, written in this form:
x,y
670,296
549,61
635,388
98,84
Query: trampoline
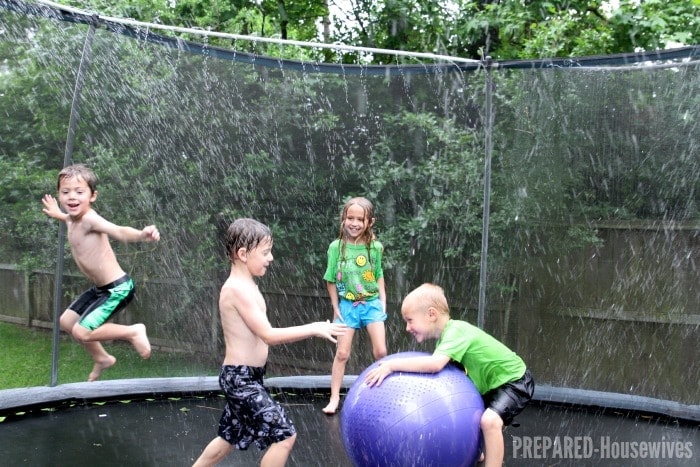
x,y
168,421
592,276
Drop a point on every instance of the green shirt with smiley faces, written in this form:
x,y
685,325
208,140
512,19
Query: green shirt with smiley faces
x,y
355,269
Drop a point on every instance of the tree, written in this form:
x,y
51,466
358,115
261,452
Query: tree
x,y
177,122
461,28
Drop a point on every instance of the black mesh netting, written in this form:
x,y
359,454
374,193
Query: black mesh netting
x,y
594,186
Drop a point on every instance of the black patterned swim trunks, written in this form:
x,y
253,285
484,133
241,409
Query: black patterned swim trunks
x,y
251,414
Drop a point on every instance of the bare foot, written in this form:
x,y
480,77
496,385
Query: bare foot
x,y
140,341
99,366
332,406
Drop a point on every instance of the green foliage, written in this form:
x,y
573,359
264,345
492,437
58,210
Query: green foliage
x,y
428,187
655,24
461,28
26,232
26,360
293,20
506,30
190,142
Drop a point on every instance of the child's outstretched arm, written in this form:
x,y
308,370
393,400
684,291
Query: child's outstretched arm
x,y
122,233
256,320
276,336
51,208
428,364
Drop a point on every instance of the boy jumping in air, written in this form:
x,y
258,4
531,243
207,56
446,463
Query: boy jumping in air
x,y
88,235
500,375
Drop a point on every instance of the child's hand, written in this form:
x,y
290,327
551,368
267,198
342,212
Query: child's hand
x,y
150,234
327,330
51,208
377,375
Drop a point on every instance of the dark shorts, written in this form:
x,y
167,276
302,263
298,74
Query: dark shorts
x,y
97,304
251,414
511,398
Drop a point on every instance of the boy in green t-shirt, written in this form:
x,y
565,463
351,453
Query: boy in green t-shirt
x,y
499,374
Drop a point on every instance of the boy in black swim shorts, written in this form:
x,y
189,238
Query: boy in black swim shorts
x,y
251,414
97,304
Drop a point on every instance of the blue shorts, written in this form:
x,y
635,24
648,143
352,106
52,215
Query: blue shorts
x,y
251,414
357,315
97,304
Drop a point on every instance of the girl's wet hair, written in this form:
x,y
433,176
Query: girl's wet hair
x,y
78,171
245,233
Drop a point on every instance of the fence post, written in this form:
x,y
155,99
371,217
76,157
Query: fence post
x,y
26,276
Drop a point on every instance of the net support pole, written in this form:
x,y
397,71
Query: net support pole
x,y
67,160
488,131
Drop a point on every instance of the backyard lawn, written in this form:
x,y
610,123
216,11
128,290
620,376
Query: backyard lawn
x,y
25,360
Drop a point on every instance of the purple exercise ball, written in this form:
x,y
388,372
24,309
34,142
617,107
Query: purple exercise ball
x,y
413,419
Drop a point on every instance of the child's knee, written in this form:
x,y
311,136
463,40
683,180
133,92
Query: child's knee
x,y
379,352
80,333
342,354
68,320
490,421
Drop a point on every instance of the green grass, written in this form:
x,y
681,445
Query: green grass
x,y
26,356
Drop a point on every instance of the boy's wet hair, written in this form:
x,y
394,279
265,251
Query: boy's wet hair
x,y
78,171
245,233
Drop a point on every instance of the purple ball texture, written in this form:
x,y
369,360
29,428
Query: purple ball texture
x,y
413,419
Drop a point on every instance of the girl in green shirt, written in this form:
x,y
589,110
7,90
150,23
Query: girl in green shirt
x,y
355,282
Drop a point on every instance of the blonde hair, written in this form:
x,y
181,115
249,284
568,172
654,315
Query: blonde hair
x,y
427,296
